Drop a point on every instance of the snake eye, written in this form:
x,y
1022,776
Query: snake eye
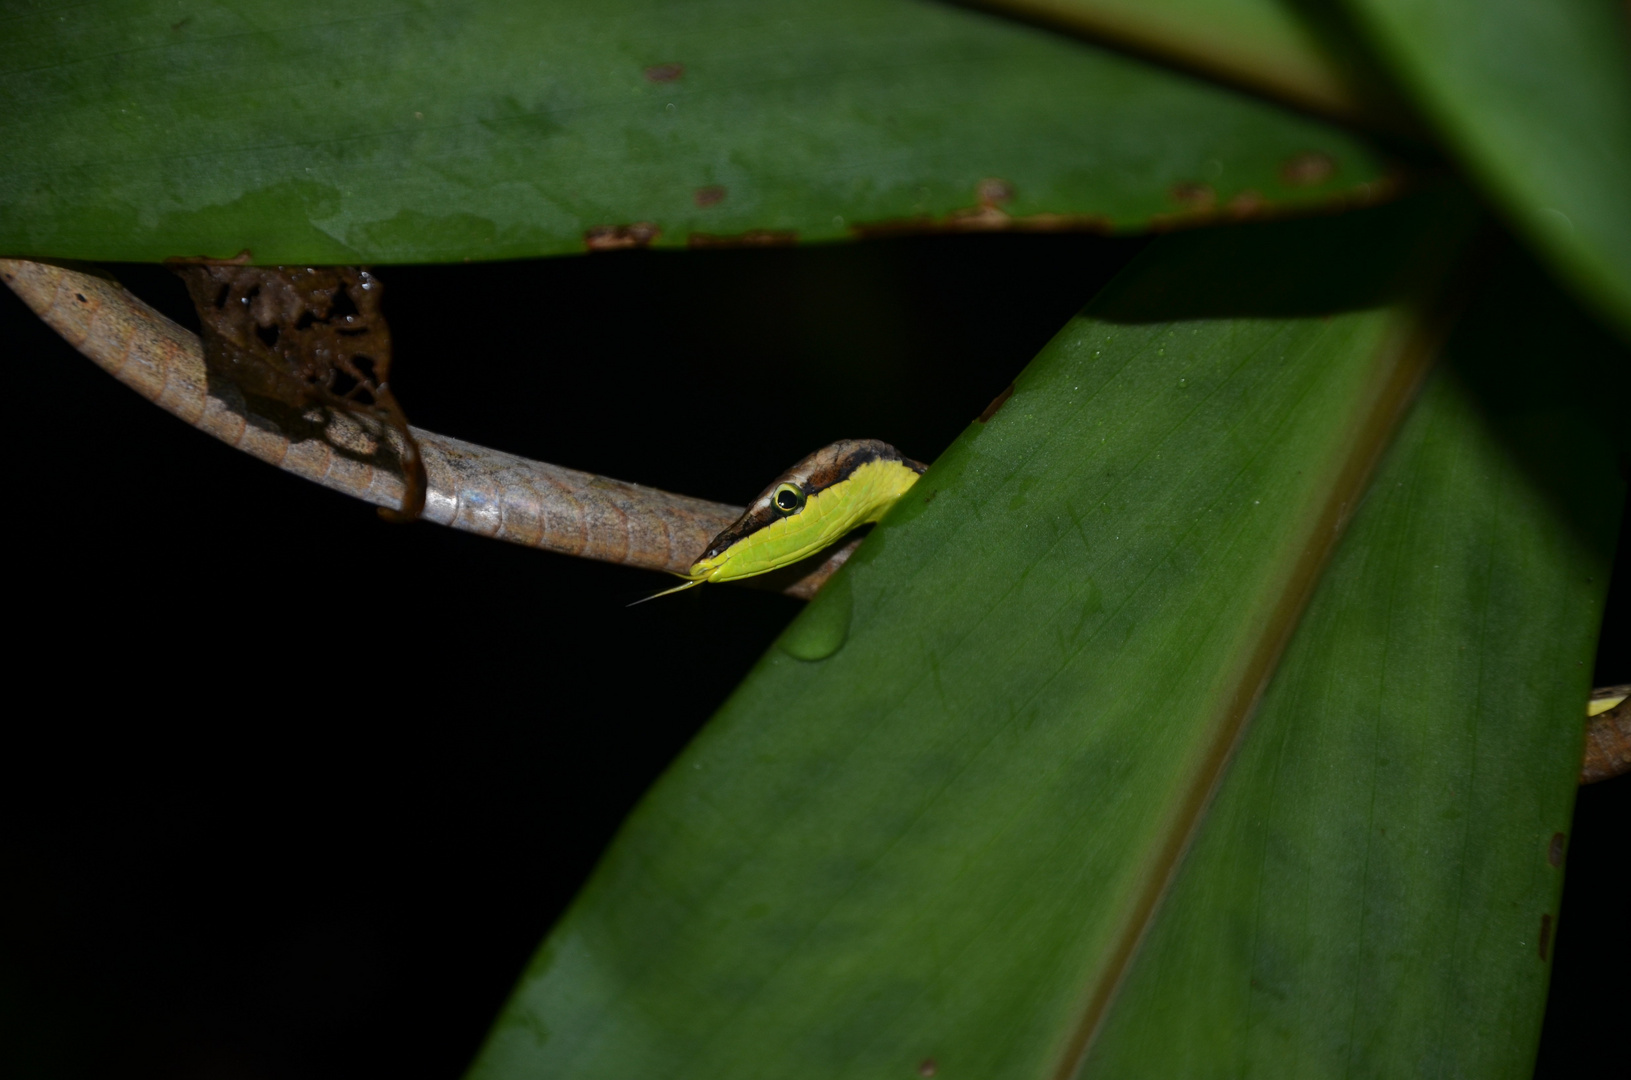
x,y
788,499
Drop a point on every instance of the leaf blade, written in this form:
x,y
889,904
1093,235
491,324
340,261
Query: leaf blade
x,y
837,877
1536,101
1375,889
377,133
1289,51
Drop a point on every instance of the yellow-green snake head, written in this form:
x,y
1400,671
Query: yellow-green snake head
x,y
852,482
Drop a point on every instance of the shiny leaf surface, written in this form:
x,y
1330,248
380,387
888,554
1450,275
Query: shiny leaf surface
x,y
1536,100
1375,890
933,843
367,131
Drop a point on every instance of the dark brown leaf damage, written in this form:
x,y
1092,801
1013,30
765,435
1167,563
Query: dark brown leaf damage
x,y
621,237
751,238
1194,195
987,214
996,403
304,336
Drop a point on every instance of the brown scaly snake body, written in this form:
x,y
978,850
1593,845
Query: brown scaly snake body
x,y
470,487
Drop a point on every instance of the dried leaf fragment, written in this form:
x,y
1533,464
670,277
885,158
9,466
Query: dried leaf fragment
x,y
304,336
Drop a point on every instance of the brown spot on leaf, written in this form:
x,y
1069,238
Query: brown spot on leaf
x,y
621,237
1194,195
304,336
993,191
1308,168
661,73
979,218
708,196
987,212
1093,223
1247,204
984,219
996,403
1554,850
1545,935
751,238
927,1067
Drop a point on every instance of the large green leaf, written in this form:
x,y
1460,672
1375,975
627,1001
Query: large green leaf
x,y
1375,890
934,821
378,131
1536,97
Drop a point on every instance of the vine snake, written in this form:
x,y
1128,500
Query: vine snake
x,y
469,487
485,491
817,502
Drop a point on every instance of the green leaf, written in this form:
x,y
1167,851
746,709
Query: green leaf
x,y
1536,100
942,841
1292,51
387,132
1375,890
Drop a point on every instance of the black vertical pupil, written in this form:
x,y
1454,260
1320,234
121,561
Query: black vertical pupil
x,y
786,500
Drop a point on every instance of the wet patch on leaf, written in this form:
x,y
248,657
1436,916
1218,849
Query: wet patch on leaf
x,y
823,627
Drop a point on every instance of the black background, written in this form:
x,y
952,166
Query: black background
x,y
294,793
